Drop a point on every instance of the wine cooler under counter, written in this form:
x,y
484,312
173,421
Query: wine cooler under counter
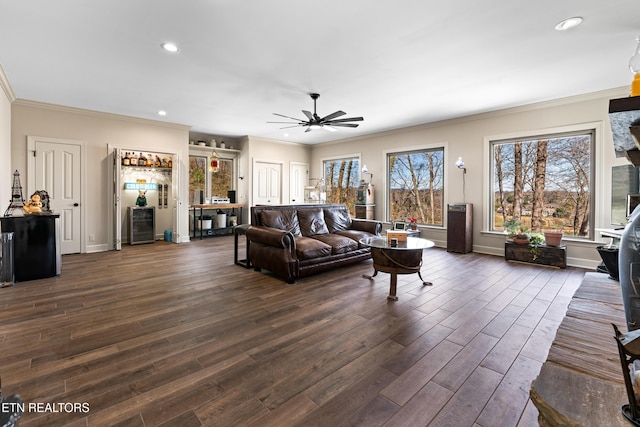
x,y
142,225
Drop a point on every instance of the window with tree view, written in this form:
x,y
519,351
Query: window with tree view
x,y
342,177
544,183
416,186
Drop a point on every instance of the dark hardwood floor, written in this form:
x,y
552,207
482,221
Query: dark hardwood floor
x,y
177,335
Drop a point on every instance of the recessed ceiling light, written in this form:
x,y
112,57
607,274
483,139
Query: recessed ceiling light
x,y
170,47
162,113
568,23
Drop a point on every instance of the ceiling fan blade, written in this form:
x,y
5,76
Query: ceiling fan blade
x,y
350,119
344,125
294,126
287,117
308,114
333,116
288,123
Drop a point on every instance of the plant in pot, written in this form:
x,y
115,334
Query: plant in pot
x,y
516,232
553,237
535,240
413,223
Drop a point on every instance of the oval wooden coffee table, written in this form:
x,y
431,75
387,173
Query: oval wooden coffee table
x,y
404,258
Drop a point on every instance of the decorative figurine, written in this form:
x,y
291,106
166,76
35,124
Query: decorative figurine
x,y
142,198
34,205
17,202
44,198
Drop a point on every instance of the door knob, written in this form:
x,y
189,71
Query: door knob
x,y
76,204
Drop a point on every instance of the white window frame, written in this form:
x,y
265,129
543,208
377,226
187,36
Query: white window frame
x,y
598,203
422,147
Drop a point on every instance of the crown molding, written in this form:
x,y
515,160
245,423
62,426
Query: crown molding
x,y
111,116
6,86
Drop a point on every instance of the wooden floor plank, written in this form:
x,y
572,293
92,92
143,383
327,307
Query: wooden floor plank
x,y
166,334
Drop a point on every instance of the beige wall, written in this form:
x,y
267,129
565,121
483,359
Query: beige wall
x,y
6,173
98,130
262,149
467,138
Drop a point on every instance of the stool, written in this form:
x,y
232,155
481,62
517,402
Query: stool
x,y
238,230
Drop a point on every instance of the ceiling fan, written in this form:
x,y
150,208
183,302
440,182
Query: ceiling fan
x,y
314,121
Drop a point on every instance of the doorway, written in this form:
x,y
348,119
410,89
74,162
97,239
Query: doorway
x,y
267,183
298,180
57,167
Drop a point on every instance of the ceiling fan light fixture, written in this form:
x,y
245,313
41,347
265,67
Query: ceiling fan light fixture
x,y
170,47
569,23
314,121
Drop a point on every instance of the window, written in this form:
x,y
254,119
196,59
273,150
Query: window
x,y
416,186
211,184
342,177
544,182
222,180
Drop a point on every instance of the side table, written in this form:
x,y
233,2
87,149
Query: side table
x,y
237,231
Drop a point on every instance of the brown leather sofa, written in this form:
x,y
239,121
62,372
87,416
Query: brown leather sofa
x,y
299,240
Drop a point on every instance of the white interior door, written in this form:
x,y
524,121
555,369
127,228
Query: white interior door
x,y
57,170
267,183
298,179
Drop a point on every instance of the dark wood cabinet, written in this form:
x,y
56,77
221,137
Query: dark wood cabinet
x,y
460,228
36,245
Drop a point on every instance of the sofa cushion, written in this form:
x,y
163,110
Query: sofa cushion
x,y
337,219
285,219
312,222
308,248
355,235
339,244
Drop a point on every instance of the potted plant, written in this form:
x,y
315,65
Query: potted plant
x,y
535,240
553,237
516,232
413,223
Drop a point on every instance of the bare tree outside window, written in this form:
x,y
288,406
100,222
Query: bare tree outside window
x,y
213,184
545,183
341,180
416,186
222,180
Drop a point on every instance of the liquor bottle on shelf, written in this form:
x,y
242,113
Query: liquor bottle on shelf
x,y
125,159
133,159
157,162
142,160
150,160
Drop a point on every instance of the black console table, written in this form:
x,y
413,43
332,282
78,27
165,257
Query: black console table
x,y
36,246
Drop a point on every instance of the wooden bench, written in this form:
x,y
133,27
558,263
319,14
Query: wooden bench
x,y
581,382
554,256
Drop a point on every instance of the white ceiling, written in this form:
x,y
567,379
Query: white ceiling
x,y
397,63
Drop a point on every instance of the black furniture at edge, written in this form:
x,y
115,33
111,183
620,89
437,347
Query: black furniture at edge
x,y
36,250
